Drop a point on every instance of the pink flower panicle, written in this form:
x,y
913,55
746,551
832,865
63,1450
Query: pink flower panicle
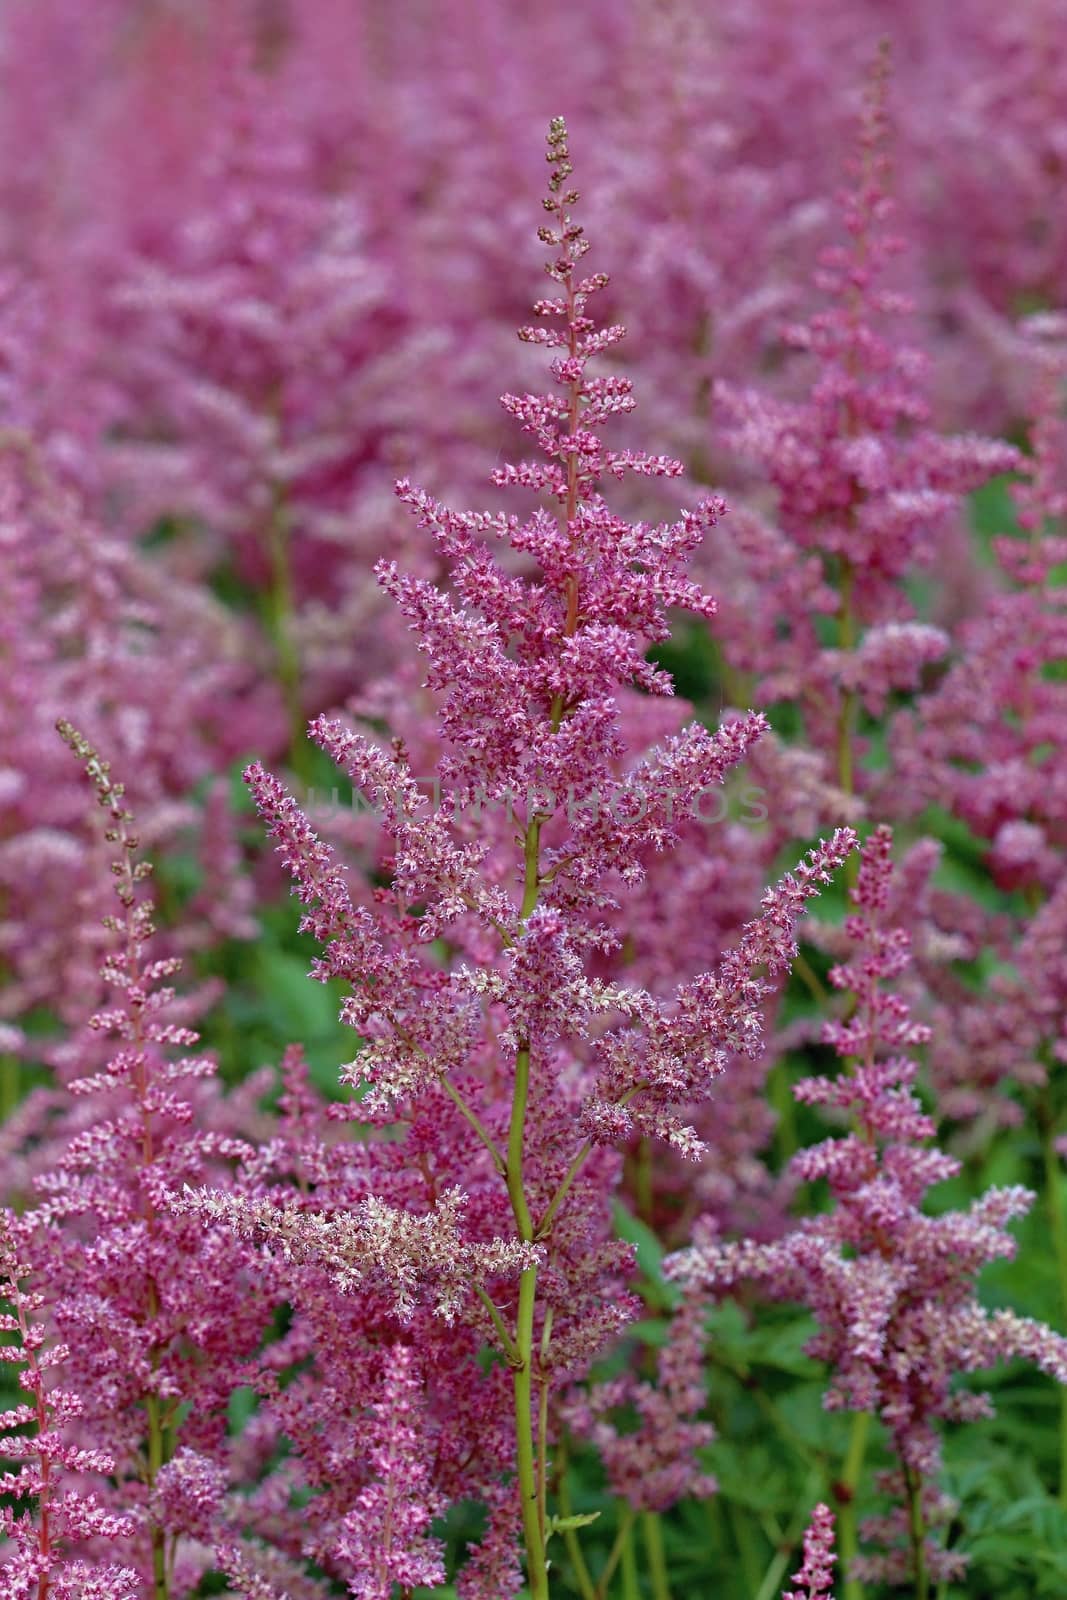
x,y
863,483
654,1465
986,744
157,1311
986,741
528,674
386,1536
892,1288
484,1026
259,335
816,1576
49,1482
142,660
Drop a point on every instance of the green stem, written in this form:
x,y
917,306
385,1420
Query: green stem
x,y
10,1087
542,1419
774,1576
529,1472
533,1529
156,1458
510,1347
526,1452
806,972
575,1167
614,1554
531,863
476,1123
516,1188
561,1193
281,625
631,1586
532,1466
652,1529
746,1548
917,1533
1054,1202
781,1097
847,1529
583,1577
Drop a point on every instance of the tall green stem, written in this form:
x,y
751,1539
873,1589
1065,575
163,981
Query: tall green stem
x,y
525,1452
525,1448
531,1446
10,1088
846,716
625,1525
847,1529
156,1457
631,1585
281,626
652,1529
1054,1202
746,1545
771,1587
582,1576
917,1533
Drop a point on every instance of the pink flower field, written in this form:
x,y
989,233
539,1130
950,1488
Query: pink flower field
x,y
533,1039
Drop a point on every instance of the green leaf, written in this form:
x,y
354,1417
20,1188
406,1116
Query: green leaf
x,y
650,1253
579,1519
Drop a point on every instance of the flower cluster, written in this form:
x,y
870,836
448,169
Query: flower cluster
x,y
471,1264
892,1287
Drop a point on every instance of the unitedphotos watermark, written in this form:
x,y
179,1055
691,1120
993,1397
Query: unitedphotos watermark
x,y
630,802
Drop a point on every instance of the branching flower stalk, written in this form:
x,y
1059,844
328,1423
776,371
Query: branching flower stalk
x,y
530,674
135,929
154,1308
37,1567
563,235
891,1286
867,487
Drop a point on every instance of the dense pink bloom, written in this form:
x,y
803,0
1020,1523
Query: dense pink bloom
x,y
816,1576
892,1288
867,492
655,1464
93,631
540,1058
157,1314
385,1538
35,1563
258,261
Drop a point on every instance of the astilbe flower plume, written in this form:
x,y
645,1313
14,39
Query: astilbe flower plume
x,y
986,744
510,1070
35,1563
892,1288
269,379
157,1313
92,630
816,1576
654,1465
864,485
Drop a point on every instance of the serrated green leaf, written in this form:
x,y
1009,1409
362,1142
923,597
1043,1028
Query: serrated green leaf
x,y
579,1519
